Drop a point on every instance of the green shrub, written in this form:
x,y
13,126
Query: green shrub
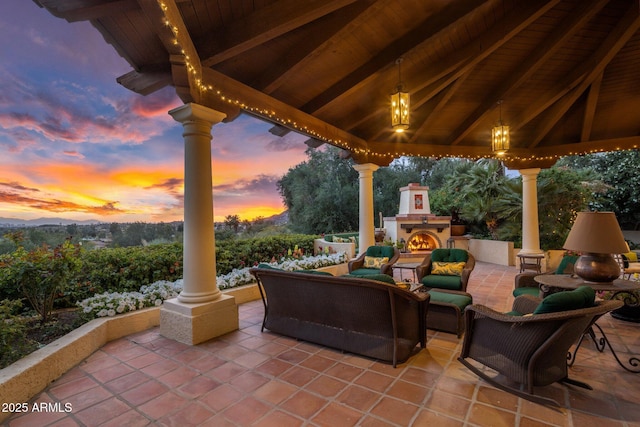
x,y
240,253
126,269
13,344
41,274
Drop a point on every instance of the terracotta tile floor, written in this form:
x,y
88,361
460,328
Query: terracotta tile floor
x,y
262,379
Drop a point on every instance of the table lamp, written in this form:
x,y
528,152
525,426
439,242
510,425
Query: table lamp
x,y
596,235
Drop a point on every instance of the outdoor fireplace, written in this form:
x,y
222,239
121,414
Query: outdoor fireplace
x,y
414,224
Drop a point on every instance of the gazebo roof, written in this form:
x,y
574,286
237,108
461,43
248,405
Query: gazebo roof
x,y
567,71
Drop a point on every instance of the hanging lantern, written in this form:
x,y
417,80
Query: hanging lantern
x,y
400,105
500,136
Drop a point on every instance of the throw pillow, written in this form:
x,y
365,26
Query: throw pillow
x,y
447,268
582,297
375,262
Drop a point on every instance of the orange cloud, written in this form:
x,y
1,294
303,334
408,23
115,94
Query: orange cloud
x,y
56,205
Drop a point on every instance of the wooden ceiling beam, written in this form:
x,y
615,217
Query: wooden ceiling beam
x,y
580,148
448,72
266,107
589,71
441,101
87,10
147,80
172,31
463,60
263,25
420,35
278,74
575,20
590,108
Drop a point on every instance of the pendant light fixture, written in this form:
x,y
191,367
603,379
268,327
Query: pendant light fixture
x,y
500,136
399,105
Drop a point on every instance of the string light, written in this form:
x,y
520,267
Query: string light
x,y
272,115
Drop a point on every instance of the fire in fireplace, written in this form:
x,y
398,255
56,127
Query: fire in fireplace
x,y
422,241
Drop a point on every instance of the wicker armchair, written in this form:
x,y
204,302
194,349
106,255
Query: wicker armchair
x,y
456,283
525,351
525,283
358,267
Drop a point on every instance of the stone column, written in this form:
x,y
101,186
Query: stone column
x,y
366,221
201,311
530,225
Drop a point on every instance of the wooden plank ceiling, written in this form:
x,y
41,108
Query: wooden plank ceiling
x,y
566,71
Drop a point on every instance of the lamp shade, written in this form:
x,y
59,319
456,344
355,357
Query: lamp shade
x,y
596,232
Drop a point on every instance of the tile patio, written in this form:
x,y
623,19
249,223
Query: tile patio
x,y
262,379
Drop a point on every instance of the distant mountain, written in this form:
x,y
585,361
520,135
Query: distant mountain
x,y
16,222
280,219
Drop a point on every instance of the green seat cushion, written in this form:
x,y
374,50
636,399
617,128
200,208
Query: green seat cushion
x,y
377,277
365,271
380,251
268,266
316,272
442,282
566,264
582,297
513,313
449,255
526,291
444,297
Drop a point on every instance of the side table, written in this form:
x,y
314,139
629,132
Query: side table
x,y
407,266
531,262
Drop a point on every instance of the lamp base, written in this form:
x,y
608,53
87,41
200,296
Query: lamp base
x,y
597,268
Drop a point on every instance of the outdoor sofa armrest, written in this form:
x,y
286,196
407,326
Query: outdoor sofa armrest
x,y
424,268
357,262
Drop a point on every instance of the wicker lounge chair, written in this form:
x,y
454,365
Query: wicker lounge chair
x,y
359,267
525,351
441,281
448,291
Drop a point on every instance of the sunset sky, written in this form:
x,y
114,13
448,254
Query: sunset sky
x,y
75,144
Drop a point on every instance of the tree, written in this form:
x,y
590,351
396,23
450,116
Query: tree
x,y
232,222
618,170
562,193
321,193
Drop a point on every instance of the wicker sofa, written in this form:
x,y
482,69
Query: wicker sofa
x,y
356,315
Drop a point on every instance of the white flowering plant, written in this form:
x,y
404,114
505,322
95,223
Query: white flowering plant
x,y
109,304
